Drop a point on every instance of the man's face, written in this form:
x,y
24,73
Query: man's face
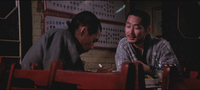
x,y
135,32
88,41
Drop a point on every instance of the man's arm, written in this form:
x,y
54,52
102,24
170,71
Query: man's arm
x,y
147,69
168,57
33,55
120,57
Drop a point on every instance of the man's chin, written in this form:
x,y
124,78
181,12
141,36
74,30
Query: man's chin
x,y
136,41
87,50
131,41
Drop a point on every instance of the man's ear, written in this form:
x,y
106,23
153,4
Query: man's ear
x,y
148,29
83,30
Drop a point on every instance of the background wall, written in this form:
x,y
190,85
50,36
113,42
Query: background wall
x,y
186,48
91,58
146,6
96,56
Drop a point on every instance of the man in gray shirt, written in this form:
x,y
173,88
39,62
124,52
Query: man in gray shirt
x,y
66,45
139,45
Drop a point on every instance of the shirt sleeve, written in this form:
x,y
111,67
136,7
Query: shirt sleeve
x,y
167,55
121,56
34,55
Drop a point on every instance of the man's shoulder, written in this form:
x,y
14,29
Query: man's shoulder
x,y
55,34
123,41
57,30
160,41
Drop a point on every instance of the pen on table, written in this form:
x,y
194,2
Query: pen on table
x,y
100,66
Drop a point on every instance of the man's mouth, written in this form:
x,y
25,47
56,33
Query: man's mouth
x,y
131,36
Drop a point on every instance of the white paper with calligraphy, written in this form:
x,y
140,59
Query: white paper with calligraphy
x,y
51,22
110,36
109,10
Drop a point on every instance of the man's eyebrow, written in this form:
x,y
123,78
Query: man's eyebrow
x,y
95,40
137,24
133,24
128,23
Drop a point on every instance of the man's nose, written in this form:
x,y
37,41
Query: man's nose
x,y
92,47
132,30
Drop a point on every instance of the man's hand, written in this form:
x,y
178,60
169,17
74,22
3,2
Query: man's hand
x,y
104,70
146,68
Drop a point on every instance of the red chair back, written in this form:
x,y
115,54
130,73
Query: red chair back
x,y
178,83
193,74
126,79
2,66
187,73
3,73
27,79
36,66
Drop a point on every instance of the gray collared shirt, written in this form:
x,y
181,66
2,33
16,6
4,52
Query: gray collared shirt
x,y
155,48
56,44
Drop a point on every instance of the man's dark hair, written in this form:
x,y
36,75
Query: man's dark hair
x,y
85,18
143,15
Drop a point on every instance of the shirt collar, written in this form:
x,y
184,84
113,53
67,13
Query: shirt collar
x,y
79,47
